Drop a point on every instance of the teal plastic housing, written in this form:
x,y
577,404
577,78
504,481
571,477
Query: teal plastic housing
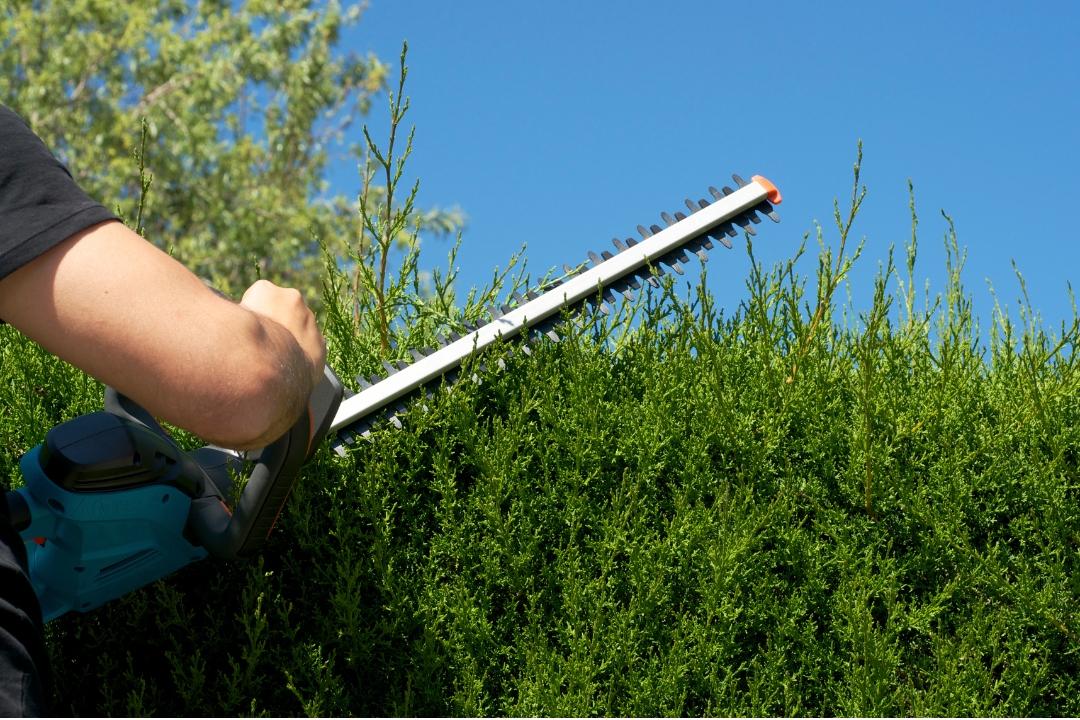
x,y
86,549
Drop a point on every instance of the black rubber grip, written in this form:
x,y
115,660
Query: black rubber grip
x,y
276,468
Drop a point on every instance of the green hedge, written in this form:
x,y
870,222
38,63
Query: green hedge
x,y
677,513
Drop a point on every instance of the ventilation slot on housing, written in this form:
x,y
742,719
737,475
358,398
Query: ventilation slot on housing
x,y
128,564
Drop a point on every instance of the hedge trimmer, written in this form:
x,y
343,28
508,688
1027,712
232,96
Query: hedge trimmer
x,y
112,503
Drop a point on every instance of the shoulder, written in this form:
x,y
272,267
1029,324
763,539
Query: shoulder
x,y
10,120
22,150
41,205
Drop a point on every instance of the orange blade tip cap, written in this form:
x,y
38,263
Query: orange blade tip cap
x,y
774,195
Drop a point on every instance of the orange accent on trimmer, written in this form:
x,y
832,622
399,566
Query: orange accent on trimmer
x,y
39,540
774,195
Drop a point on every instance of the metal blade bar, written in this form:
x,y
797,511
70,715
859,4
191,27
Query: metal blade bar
x,y
577,288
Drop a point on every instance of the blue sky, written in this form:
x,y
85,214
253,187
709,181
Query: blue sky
x,y
563,124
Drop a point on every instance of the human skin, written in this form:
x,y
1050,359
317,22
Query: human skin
x,y
113,305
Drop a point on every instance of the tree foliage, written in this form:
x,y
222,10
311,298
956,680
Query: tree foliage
x,y
244,104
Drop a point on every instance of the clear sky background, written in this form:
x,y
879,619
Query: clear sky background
x,y
562,124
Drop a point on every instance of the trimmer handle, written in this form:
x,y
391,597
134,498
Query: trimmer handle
x,y
244,530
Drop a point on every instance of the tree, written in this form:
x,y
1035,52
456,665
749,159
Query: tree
x,y
244,103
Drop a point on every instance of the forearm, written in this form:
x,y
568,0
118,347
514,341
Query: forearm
x,y
262,398
241,385
116,307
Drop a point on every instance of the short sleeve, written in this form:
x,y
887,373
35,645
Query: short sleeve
x,y
40,203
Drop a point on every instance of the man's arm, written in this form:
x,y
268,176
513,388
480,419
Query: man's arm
x,y
110,303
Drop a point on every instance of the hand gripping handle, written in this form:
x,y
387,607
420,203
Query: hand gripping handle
x,y
244,530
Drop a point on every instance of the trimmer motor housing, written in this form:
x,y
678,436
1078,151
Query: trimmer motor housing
x,y
113,503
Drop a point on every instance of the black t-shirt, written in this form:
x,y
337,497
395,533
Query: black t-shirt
x,y
40,207
24,662
40,204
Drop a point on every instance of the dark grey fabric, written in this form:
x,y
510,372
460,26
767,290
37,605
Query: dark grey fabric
x,y
40,204
24,663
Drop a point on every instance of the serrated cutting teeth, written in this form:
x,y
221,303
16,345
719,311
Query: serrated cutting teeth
x,y
680,216
619,245
739,181
693,206
744,222
698,246
645,234
495,314
546,327
668,219
595,258
767,209
390,369
718,233
519,297
672,263
623,288
567,269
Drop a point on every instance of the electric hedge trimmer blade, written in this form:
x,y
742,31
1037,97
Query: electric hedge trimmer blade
x,y
637,262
